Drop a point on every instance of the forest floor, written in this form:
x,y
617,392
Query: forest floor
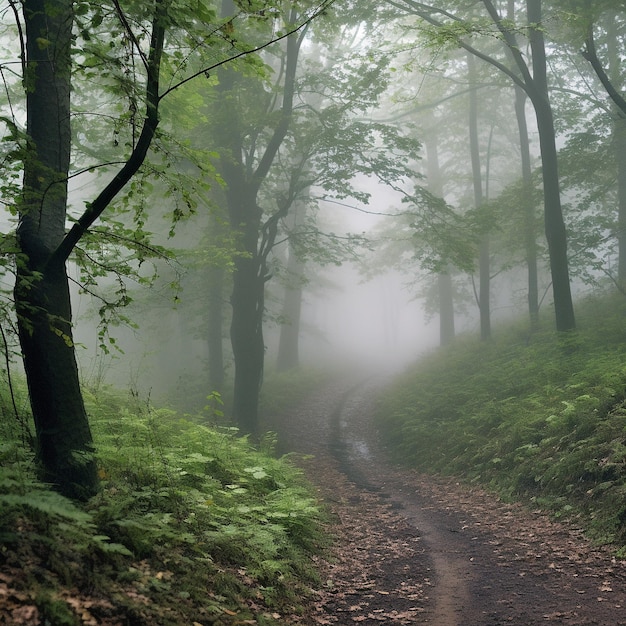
x,y
415,549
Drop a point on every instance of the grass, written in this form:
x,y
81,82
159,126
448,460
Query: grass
x,y
192,525
538,417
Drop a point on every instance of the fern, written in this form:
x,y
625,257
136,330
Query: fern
x,y
540,419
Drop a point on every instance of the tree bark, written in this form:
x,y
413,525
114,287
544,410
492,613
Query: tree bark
x,y
530,236
42,297
484,265
556,234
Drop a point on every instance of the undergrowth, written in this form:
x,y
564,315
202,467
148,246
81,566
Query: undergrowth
x,y
192,525
537,416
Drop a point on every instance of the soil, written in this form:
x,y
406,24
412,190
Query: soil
x,y
416,549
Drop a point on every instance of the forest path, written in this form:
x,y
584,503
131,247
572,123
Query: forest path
x,y
414,549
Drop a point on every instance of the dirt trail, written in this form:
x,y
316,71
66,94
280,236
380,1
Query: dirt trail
x,y
417,550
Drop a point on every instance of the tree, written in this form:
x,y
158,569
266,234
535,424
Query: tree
x,y
611,79
334,137
484,269
534,81
42,298
273,151
243,174
288,345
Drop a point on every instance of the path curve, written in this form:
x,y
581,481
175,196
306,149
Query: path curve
x,y
413,549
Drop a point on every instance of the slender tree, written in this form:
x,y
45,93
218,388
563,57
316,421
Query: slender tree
x,y
42,296
533,80
484,269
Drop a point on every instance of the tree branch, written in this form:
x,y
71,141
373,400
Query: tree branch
x,y
138,155
205,70
591,55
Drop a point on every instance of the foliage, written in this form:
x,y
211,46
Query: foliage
x,y
191,523
536,416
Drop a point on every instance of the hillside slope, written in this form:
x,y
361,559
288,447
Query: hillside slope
x,y
538,417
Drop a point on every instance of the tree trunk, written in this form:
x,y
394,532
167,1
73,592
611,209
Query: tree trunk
x,y
215,329
248,295
530,236
446,309
554,225
288,343
288,348
42,298
248,303
556,234
484,269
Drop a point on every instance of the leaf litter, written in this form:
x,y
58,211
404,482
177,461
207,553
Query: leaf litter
x,y
418,549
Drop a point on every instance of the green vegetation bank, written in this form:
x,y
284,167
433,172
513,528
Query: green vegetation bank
x,y
539,417
193,525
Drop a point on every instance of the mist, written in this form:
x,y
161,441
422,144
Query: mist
x,y
387,177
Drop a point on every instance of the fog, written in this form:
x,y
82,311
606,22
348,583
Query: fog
x,y
375,323
355,119
348,321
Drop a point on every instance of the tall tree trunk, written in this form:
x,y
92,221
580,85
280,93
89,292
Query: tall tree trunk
x,y
248,304
444,279
484,269
42,297
556,234
215,316
446,309
530,237
249,276
536,86
288,343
